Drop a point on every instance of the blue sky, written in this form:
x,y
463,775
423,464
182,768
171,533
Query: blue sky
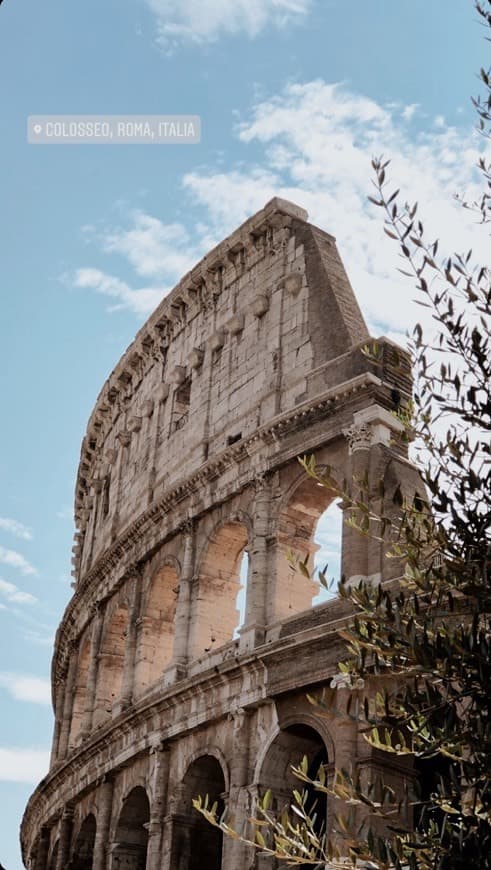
x,y
295,96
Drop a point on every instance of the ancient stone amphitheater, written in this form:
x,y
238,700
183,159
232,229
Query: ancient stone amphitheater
x,y
161,689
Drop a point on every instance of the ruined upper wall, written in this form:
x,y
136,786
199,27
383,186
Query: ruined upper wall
x,y
233,346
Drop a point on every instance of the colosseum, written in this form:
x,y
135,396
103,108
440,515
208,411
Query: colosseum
x,y
189,489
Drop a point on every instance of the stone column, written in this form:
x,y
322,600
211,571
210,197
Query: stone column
x,y
371,434
235,853
65,840
252,634
128,680
59,704
95,644
42,851
104,812
346,756
68,705
183,609
354,567
161,763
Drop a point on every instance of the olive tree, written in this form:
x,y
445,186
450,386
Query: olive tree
x,y
423,649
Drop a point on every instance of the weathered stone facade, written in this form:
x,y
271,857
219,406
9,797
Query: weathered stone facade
x,y
190,460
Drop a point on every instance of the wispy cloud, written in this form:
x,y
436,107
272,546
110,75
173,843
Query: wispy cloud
x,y
316,142
19,530
153,249
313,143
23,765
24,687
201,21
141,301
15,595
16,560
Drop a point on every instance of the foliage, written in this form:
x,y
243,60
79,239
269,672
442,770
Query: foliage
x,y
419,655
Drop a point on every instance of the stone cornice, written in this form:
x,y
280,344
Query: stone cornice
x,y
93,754
196,291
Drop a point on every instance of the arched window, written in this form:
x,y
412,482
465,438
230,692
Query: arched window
x,y
83,847
286,752
131,836
240,601
111,660
327,537
156,629
195,843
215,613
303,531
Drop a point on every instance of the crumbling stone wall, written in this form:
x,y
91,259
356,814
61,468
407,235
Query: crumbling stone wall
x,y
190,461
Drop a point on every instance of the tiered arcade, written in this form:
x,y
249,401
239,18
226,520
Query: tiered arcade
x,y
160,690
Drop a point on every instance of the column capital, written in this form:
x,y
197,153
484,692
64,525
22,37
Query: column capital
x,y
359,437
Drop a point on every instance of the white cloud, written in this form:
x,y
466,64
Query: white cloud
x,y
24,687
15,528
153,249
16,560
317,142
15,595
23,765
141,301
201,21
409,112
313,144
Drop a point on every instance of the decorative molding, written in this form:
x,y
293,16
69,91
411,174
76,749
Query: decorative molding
x,y
134,424
359,437
124,438
292,283
147,407
260,305
195,358
236,324
217,340
178,375
162,392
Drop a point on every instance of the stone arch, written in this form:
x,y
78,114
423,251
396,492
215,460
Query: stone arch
x,y
80,692
302,506
130,845
83,845
111,660
156,626
213,752
214,608
196,843
290,743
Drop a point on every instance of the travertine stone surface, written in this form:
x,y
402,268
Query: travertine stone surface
x,y
190,460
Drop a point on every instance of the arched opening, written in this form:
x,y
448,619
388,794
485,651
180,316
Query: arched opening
x,y
156,629
83,849
286,752
80,693
131,838
327,537
195,843
240,601
298,533
111,659
215,612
